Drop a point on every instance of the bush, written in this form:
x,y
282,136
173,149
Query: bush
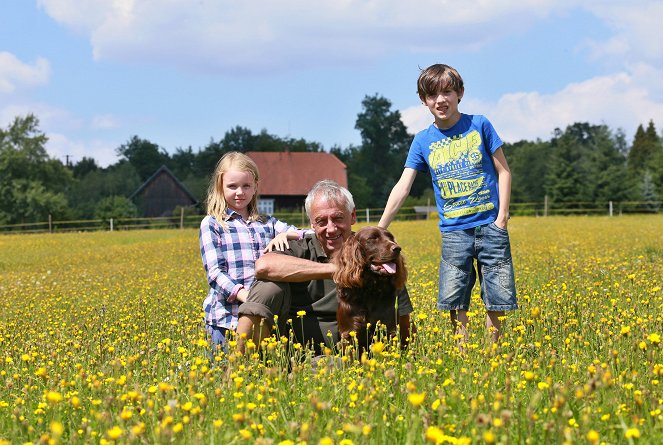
x,y
116,207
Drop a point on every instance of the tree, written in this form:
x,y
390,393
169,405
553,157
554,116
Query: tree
x,y
145,156
528,162
586,166
115,207
119,179
381,156
32,185
84,166
645,148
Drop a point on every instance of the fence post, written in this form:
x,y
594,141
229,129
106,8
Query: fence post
x,y
368,216
545,205
610,207
50,224
111,224
181,218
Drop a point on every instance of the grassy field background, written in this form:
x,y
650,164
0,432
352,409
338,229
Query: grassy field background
x,y
102,341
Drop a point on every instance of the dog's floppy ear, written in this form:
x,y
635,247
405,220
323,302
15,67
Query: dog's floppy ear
x,y
350,264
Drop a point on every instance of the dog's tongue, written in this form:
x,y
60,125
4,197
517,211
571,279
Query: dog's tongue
x,y
390,268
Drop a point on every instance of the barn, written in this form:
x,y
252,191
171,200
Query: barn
x,y
161,193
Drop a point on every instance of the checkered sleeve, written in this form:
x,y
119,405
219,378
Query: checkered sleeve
x,y
214,261
280,227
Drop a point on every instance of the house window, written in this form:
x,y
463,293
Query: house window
x,y
266,206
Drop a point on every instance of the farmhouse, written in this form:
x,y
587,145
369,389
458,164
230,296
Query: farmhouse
x,y
161,193
286,177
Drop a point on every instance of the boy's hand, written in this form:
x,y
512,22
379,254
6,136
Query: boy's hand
x,y
501,222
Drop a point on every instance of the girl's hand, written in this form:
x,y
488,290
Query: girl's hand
x,y
280,242
242,295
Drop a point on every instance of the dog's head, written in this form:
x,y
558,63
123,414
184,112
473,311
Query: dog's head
x,y
370,250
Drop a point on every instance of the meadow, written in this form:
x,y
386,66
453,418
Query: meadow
x,y
102,341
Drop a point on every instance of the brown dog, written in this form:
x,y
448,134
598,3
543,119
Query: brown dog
x,y
370,272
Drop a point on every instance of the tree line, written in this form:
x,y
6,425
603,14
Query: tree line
x,y
584,163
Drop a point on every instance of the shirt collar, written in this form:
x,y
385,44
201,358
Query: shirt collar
x,y
317,249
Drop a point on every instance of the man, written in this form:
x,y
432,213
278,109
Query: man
x,y
299,279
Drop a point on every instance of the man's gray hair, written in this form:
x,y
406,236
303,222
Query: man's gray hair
x,y
331,191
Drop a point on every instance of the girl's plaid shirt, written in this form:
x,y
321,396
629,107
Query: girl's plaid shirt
x,y
229,258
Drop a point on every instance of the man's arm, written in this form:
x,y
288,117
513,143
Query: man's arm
x,y
397,196
279,267
503,186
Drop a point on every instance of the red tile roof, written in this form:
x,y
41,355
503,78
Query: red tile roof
x,y
294,173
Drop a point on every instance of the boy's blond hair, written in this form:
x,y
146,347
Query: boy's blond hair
x,y
216,203
437,78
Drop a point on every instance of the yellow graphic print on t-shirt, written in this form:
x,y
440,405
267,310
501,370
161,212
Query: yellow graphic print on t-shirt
x,y
457,165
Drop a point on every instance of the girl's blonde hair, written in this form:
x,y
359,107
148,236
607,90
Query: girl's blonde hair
x,y
216,203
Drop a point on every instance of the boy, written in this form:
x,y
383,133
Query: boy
x,y
472,185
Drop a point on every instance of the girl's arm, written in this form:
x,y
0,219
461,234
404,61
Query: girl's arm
x,y
397,196
280,241
214,261
284,232
503,187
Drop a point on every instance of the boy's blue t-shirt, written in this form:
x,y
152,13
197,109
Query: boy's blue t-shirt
x,y
459,160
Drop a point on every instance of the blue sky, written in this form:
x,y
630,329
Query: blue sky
x,y
182,72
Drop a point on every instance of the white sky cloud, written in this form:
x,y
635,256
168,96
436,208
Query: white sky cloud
x,y
264,38
60,146
106,121
15,73
229,36
637,26
54,122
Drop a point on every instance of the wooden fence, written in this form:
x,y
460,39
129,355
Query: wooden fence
x,y
368,215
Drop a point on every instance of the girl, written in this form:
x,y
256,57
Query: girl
x,y
232,236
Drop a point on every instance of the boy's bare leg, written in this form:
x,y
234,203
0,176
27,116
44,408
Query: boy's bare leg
x,y
494,324
253,327
459,321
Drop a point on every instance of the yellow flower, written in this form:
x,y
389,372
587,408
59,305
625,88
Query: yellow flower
x,y
326,441
489,437
434,434
301,313
416,399
57,428
655,338
632,433
377,347
529,375
114,433
54,397
592,436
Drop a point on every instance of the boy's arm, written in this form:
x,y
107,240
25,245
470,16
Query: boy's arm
x,y
397,196
278,267
504,187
